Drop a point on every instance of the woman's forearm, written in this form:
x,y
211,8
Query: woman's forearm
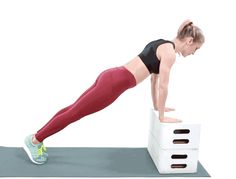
x,y
163,92
155,97
154,92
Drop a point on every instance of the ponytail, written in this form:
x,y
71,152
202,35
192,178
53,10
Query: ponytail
x,y
183,26
187,29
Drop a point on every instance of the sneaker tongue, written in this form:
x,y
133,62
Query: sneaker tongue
x,y
39,145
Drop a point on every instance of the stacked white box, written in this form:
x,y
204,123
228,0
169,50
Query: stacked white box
x,y
173,146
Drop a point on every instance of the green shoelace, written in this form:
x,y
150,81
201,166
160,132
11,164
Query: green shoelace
x,y
41,150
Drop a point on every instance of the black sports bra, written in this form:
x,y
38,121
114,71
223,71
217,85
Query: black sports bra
x,y
148,55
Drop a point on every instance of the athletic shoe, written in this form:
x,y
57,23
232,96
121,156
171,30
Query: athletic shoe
x,y
36,152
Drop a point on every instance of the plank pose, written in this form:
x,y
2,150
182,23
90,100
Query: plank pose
x,y
156,60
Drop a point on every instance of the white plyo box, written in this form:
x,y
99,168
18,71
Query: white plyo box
x,y
174,135
172,160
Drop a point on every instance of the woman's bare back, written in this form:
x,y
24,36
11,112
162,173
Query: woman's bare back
x,y
138,69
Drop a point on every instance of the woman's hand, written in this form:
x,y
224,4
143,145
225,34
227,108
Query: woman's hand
x,y
166,109
169,109
170,120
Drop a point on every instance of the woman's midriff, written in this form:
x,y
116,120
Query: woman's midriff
x,y
138,69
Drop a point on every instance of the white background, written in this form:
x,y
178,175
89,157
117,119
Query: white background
x,y
51,51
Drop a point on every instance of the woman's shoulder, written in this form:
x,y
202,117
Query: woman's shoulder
x,y
166,49
161,41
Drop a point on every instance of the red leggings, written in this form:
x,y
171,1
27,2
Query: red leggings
x,y
109,85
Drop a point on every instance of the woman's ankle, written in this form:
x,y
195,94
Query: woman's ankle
x,y
34,140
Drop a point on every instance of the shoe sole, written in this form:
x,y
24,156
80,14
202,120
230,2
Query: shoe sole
x,y
29,154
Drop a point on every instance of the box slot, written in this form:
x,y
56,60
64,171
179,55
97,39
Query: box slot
x,y
180,141
179,156
178,165
181,131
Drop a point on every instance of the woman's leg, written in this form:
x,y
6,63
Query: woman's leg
x,y
64,110
107,88
68,107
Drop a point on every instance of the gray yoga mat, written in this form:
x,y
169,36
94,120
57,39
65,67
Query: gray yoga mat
x,y
85,162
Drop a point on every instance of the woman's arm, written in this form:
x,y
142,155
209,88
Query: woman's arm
x,y
166,64
167,60
154,90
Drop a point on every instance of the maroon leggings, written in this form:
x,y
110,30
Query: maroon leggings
x,y
109,85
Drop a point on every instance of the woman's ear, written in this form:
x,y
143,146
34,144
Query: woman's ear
x,y
189,40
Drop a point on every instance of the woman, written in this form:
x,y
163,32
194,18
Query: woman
x,y
156,59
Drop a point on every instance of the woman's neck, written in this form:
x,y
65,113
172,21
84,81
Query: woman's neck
x,y
178,45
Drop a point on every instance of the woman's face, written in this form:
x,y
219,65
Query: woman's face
x,y
190,47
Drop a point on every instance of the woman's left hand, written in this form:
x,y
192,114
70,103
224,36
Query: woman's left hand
x,y
167,109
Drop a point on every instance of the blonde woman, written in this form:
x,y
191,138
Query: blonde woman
x,y
156,60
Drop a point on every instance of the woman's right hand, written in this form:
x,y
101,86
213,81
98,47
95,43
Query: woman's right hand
x,y
170,120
